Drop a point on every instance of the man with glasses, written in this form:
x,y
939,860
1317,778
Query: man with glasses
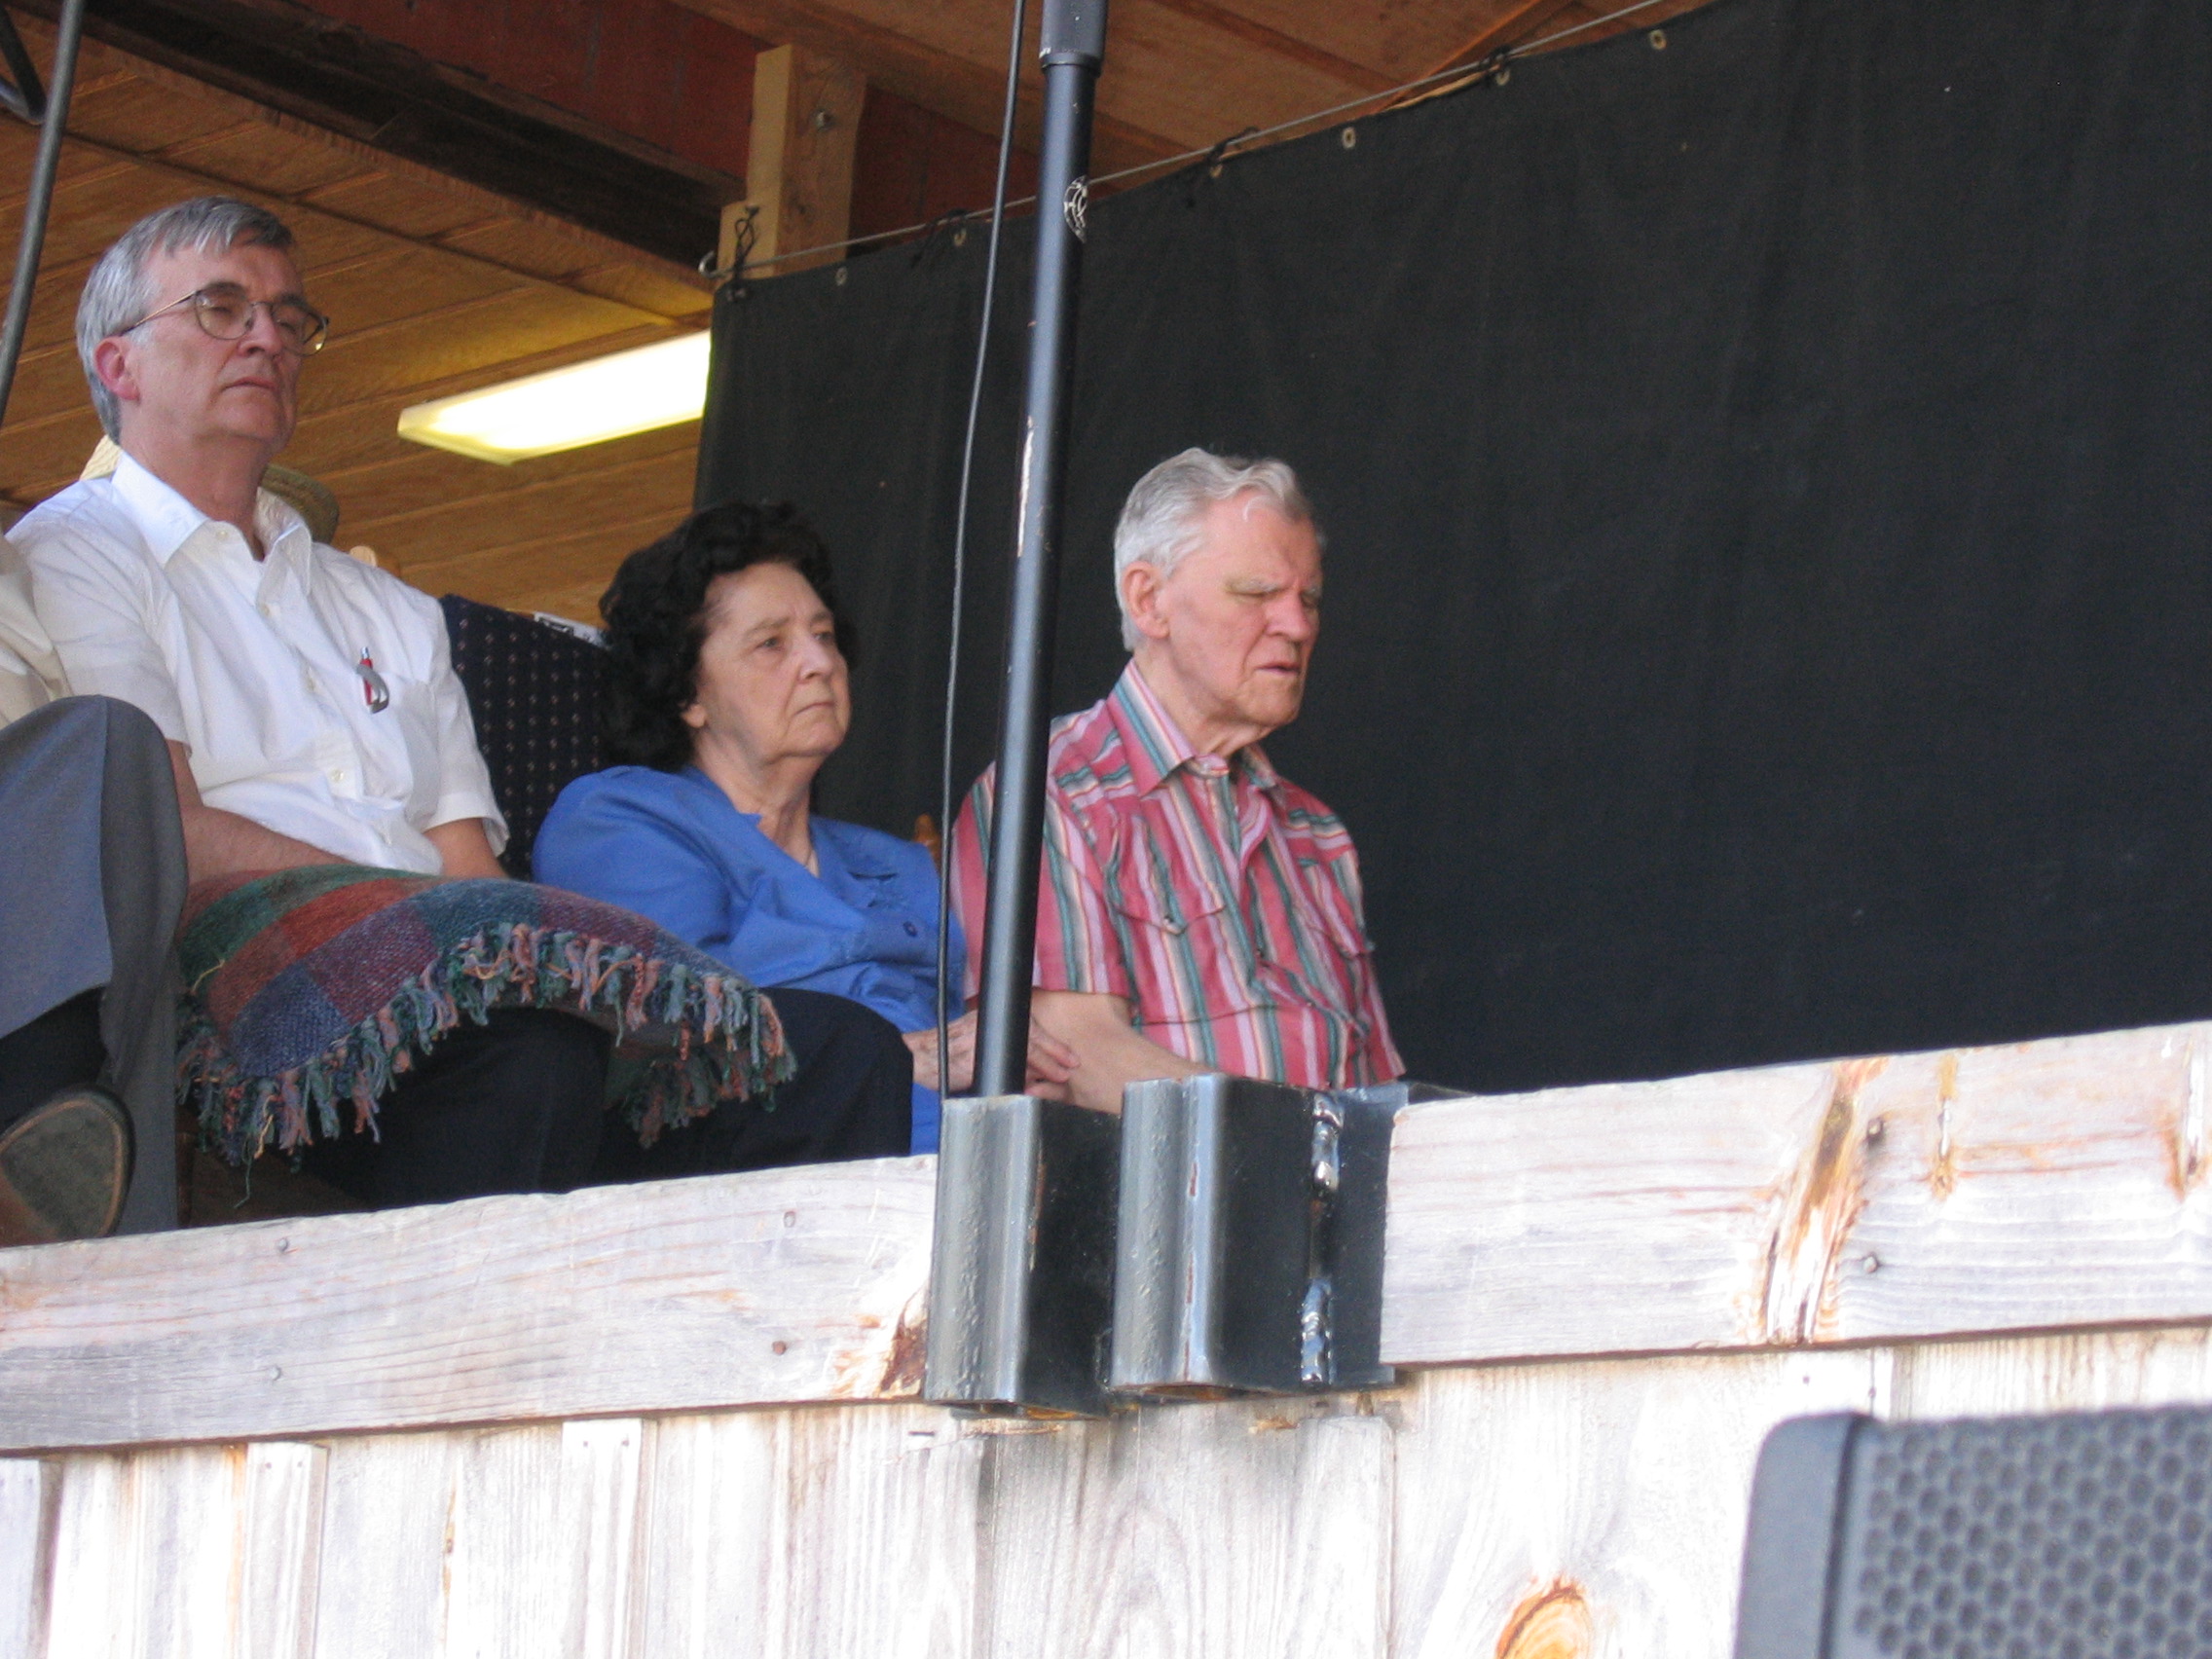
x,y
310,708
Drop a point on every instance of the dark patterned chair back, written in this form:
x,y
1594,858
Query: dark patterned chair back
x,y
535,693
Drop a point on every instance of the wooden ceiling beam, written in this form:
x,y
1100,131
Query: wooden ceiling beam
x,y
1513,22
301,202
1358,76
806,119
287,58
953,83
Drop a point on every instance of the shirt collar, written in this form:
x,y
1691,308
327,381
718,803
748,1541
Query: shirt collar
x,y
1155,745
854,857
168,521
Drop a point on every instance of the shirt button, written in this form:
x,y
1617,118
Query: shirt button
x,y
912,930
265,608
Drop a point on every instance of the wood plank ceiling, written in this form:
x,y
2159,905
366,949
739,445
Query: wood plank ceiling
x,y
1180,74
436,285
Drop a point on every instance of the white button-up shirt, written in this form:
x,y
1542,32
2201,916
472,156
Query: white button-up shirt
x,y
272,672
30,676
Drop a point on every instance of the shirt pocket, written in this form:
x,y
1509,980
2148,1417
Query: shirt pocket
x,y
1340,920
1189,955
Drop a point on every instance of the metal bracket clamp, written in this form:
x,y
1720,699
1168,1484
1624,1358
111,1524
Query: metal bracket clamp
x,y
1250,1240
1022,1268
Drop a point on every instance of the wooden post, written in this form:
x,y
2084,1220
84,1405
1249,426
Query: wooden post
x,y
798,176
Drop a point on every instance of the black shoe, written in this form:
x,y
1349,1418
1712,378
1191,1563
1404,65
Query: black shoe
x,y
65,1168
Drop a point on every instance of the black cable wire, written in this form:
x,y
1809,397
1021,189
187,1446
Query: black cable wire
x,y
945,803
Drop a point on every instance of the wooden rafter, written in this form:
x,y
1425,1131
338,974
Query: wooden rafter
x,y
1511,24
1358,76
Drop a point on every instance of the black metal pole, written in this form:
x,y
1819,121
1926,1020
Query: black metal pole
x,y
1074,45
54,120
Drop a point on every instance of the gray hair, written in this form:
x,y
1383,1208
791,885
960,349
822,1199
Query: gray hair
x,y
116,294
1159,522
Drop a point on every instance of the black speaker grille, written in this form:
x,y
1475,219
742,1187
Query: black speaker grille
x,y
2067,1537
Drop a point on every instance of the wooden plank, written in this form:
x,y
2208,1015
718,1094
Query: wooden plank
x,y
951,60
801,1533
715,1533
289,164
798,1284
571,563
1210,1531
386,1511
147,116
1267,38
505,1567
1591,1510
2064,1372
525,517
798,174
1395,38
558,254
481,340
881,1537
280,1569
148,1550
414,473
401,284
1542,1510
95,1584
28,1491
515,1540
2025,1187
601,1493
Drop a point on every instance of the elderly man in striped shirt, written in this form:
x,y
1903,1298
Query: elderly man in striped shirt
x,y
1198,911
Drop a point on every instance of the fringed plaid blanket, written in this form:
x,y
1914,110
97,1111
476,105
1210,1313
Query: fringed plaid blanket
x,y
310,989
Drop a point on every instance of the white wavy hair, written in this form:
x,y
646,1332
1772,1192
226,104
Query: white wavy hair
x,y
1161,521
117,293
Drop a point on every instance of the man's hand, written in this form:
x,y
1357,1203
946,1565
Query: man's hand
x,y
464,849
1050,1061
1109,1055
222,843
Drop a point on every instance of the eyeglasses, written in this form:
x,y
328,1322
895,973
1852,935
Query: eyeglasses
x,y
224,313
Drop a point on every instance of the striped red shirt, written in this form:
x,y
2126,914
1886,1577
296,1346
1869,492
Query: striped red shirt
x,y
1218,899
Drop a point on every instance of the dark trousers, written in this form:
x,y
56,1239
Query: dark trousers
x,y
518,1106
852,1096
60,1049
92,880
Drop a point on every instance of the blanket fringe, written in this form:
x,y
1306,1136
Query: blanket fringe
x,y
726,1044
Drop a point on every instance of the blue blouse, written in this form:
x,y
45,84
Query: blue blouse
x,y
671,846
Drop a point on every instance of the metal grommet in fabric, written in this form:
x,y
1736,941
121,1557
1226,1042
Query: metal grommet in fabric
x,y
840,276
1348,137
1503,75
1658,40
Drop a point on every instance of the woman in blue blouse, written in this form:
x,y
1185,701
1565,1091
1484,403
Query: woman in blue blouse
x,y
727,692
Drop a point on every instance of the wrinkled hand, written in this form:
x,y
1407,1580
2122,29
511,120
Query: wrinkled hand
x,y
960,1056
1051,1062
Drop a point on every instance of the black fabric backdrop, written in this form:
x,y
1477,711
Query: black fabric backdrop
x,y
1767,479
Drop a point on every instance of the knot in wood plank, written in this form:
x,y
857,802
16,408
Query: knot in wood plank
x,y
1551,1623
1813,1217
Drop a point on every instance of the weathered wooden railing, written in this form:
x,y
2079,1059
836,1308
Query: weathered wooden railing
x,y
680,1419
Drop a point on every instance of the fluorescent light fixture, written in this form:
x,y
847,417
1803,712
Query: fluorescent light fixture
x,y
563,409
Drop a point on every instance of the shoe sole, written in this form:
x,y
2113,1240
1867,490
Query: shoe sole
x,y
64,1168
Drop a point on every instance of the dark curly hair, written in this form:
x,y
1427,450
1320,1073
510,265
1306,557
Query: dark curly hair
x,y
655,612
